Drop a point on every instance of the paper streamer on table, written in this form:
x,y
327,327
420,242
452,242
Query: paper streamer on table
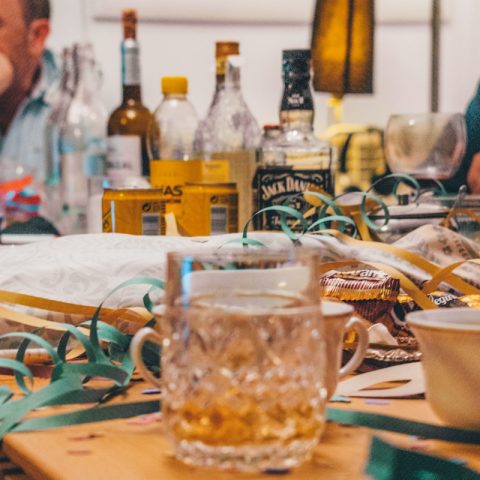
x,y
411,373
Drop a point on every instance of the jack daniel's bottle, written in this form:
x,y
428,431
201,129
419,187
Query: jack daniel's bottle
x,y
297,161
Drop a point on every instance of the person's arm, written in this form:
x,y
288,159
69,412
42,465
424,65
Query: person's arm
x,y
473,176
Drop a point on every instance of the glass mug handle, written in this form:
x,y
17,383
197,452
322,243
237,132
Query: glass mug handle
x,y
362,333
136,346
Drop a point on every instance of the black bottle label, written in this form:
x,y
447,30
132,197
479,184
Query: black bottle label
x,y
276,185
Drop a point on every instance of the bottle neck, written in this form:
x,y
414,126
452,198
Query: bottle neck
x,y
175,96
297,110
301,120
220,69
131,71
232,78
86,77
66,80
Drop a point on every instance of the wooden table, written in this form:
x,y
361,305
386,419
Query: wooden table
x,y
126,449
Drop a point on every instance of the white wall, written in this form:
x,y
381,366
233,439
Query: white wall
x,y
402,62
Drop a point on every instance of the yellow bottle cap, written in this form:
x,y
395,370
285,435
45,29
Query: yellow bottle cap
x,y
172,85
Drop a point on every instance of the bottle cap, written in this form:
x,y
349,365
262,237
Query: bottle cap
x,y
296,55
172,85
296,63
223,49
129,20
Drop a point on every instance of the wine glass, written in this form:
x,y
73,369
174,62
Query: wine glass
x,y
427,146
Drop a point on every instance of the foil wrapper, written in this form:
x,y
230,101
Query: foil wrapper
x,y
372,293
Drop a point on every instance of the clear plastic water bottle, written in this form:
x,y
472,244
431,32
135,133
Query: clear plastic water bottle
x,y
175,122
171,143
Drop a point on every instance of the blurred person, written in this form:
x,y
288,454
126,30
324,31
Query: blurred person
x,y
27,70
473,175
469,171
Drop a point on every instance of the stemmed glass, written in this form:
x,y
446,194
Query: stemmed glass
x,y
427,146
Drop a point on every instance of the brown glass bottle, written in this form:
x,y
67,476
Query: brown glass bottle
x,y
128,124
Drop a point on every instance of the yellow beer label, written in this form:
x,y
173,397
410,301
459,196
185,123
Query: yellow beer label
x,y
209,210
215,171
170,176
174,173
136,212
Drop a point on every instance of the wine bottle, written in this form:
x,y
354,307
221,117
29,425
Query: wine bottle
x,y
128,124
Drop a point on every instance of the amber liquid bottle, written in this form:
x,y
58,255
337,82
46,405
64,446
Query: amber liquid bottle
x,y
128,124
229,135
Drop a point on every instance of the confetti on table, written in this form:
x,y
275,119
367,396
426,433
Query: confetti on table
x,y
86,436
277,471
377,401
79,452
145,419
151,391
420,445
340,399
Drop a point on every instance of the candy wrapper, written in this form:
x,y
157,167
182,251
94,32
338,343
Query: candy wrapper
x,y
405,305
372,293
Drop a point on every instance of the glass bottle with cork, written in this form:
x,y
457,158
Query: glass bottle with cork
x,y
82,141
228,136
52,207
297,161
128,124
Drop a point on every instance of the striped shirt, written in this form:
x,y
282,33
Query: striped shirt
x,y
24,142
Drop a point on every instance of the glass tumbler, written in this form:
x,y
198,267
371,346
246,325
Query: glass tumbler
x,y
243,358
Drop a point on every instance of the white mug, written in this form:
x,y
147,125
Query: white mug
x,y
449,340
338,319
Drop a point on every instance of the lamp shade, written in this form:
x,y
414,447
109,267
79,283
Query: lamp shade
x,y
342,46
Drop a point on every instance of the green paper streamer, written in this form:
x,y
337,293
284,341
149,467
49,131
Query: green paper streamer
x,y
387,462
283,211
398,425
98,414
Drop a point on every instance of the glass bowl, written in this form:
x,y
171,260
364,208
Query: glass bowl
x,y
427,146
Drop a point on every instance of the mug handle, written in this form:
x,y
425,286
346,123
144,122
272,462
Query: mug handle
x,y
362,333
136,346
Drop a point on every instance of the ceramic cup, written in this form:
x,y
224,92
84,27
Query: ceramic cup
x,y
338,319
449,340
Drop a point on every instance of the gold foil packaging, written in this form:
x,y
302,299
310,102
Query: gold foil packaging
x,y
372,293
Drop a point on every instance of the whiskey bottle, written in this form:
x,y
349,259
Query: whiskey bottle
x,y
128,124
296,161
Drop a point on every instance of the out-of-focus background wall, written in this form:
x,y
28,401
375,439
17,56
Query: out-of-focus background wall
x,y
186,47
